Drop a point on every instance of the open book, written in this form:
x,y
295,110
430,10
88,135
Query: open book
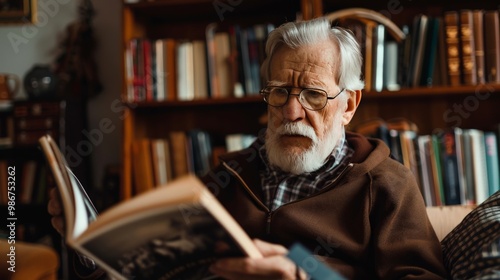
x,y
171,232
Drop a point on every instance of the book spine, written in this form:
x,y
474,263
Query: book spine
x,y
453,47
147,53
492,162
479,165
470,194
420,41
492,46
368,61
451,185
159,70
442,49
431,48
171,68
378,58
213,75
391,62
478,20
468,48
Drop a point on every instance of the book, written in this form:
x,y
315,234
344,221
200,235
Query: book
x,y
172,232
169,55
305,259
492,161
450,168
253,56
468,58
142,165
437,173
441,77
492,45
162,169
426,181
479,165
179,153
368,55
185,72
430,52
222,55
391,62
378,57
213,74
236,61
148,74
478,20
470,193
420,36
160,73
453,47
200,74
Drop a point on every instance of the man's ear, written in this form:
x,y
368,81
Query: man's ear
x,y
353,99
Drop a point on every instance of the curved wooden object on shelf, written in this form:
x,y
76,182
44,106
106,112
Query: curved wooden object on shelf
x,y
368,17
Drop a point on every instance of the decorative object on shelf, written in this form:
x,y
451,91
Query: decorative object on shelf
x,y
368,17
33,119
75,66
17,11
40,83
9,84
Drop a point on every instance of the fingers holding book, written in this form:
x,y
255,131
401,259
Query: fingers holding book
x,y
274,265
54,207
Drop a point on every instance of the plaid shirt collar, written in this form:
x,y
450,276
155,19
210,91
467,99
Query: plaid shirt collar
x,y
280,187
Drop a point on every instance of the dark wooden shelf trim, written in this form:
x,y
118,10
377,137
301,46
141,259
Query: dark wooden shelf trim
x,y
426,92
200,102
149,4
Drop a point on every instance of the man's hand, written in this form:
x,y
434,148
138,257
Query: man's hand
x,y
274,265
54,208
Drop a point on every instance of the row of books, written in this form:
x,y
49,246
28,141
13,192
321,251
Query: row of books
x,y
457,48
30,182
225,64
455,166
158,161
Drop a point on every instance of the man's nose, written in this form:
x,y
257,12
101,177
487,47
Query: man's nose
x,y
293,110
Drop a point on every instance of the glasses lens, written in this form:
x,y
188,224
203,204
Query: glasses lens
x,y
314,99
276,96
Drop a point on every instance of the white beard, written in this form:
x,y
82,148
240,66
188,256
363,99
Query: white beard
x,y
298,163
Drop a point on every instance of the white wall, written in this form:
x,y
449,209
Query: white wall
x,y
22,46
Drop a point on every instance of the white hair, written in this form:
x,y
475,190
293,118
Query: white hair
x,y
303,33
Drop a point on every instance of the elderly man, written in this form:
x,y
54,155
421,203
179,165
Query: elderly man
x,y
309,181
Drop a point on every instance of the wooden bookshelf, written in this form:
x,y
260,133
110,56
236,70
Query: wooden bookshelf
x,y
424,106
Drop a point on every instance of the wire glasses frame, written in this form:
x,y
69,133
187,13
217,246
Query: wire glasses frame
x,y
310,98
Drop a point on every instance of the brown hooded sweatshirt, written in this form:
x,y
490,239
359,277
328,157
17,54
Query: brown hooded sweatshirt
x,y
369,223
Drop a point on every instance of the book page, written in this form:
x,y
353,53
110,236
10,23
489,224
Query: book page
x,y
174,242
85,212
78,208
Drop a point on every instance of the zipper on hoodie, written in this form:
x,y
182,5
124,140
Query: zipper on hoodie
x,y
268,211
268,222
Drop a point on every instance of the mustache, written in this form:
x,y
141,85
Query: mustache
x,y
297,129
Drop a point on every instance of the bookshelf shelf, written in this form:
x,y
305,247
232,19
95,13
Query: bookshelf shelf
x,y
198,103
438,91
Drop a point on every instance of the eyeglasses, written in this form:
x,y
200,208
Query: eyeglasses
x,y
311,98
